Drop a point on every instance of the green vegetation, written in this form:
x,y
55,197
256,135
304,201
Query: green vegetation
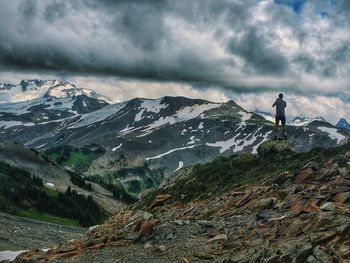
x,y
135,180
226,173
24,194
146,178
77,158
80,159
116,188
36,215
77,180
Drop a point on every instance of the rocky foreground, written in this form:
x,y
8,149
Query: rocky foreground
x,y
300,216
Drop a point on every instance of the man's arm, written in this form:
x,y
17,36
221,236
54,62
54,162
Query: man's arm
x,y
273,105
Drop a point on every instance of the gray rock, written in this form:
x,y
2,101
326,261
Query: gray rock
x,y
206,224
179,222
91,228
303,253
142,214
329,206
221,237
148,246
321,255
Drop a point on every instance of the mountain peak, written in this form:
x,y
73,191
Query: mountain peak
x,y
34,84
302,121
62,90
32,89
343,123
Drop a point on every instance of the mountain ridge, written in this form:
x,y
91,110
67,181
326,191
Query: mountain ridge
x,y
156,136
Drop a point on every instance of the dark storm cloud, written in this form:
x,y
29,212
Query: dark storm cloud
x,y
28,9
222,42
55,11
140,25
257,55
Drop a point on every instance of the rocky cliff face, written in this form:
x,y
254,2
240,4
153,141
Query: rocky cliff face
x,y
295,210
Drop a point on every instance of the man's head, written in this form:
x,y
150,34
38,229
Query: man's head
x,y
280,96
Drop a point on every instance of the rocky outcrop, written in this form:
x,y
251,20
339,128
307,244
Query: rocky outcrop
x,y
294,217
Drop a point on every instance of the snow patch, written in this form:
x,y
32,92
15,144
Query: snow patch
x,y
181,164
138,116
184,114
98,115
265,138
40,146
50,184
239,144
116,148
10,255
126,130
153,105
193,141
332,133
171,151
245,115
9,124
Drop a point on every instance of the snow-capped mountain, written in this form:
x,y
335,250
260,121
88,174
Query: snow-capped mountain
x,y
43,102
304,121
266,115
343,123
150,135
28,90
154,128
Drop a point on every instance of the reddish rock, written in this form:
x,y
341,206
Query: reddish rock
x,y
308,207
159,200
330,162
147,227
342,198
304,175
245,199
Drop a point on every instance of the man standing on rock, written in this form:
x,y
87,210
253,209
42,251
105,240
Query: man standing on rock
x,y
280,105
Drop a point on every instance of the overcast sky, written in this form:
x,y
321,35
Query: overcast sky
x,y
246,50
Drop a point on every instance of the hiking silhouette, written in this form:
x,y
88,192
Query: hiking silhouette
x,y
280,116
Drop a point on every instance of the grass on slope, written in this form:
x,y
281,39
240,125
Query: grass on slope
x,y
36,215
226,173
77,158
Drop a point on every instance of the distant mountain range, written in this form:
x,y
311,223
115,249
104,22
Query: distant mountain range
x,y
35,89
143,139
342,123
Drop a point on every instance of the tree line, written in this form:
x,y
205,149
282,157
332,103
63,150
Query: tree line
x,y
21,190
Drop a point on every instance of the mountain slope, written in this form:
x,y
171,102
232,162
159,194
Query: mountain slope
x,y
25,195
147,139
295,212
53,176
